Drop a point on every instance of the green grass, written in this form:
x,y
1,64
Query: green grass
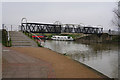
x,y
49,35
30,36
77,35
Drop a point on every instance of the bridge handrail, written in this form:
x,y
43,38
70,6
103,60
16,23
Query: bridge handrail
x,y
8,34
36,36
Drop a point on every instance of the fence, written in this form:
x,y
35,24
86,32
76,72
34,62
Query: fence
x,y
10,27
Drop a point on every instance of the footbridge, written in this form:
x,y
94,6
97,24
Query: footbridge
x,y
57,27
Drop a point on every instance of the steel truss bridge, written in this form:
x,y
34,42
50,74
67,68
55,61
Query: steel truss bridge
x,y
57,27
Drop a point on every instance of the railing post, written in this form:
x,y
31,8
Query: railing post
x,y
11,27
21,27
3,26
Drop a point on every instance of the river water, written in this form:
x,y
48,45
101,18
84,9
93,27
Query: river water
x,y
101,57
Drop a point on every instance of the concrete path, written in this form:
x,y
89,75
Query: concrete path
x,y
18,65
64,66
19,39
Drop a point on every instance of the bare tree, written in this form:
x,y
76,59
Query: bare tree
x,y
118,14
116,19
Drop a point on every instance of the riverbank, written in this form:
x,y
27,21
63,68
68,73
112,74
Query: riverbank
x,y
99,38
87,38
63,66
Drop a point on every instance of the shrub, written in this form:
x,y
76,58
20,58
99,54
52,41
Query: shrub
x,y
5,41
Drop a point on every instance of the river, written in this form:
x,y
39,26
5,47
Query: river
x,y
99,56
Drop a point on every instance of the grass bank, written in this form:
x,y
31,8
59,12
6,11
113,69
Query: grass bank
x,y
73,35
30,36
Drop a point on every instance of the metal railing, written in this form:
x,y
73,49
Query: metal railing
x,y
11,27
40,41
8,34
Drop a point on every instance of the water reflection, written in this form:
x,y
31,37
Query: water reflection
x,y
102,57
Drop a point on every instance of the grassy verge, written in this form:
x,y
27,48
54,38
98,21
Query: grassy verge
x,y
93,38
49,35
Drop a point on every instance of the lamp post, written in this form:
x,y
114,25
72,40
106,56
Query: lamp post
x,y
25,25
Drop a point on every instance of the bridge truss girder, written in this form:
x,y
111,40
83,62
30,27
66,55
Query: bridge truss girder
x,y
55,28
40,28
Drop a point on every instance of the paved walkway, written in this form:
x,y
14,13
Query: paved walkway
x,y
63,66
19,65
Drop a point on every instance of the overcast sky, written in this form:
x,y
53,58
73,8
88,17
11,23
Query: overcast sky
x,y
88,13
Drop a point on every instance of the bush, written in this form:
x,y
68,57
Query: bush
x,y
5,41
116,38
